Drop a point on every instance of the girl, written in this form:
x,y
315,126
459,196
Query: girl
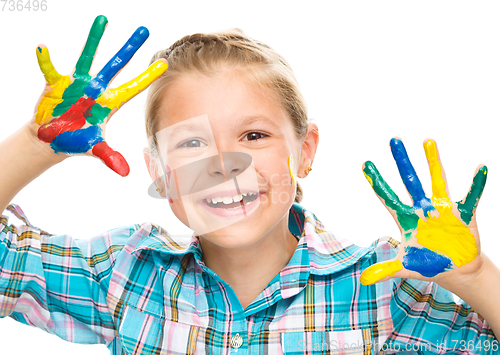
x,y
229,138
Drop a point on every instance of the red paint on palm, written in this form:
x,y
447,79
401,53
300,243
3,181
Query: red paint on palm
x,y
73,119
114,160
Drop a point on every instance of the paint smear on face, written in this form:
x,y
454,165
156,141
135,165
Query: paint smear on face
x,y
290,169
378,271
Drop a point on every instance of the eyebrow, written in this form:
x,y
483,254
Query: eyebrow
x,y
186,127
252,119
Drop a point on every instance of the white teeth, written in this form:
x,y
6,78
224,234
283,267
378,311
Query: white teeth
x,y
230,199
237,198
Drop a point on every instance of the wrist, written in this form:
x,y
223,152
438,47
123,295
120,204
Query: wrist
x,y
42,150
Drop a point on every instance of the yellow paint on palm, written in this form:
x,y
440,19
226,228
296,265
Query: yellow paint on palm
x,y
114,98
51,99
379,271
447,235
57,82
290,168
444,234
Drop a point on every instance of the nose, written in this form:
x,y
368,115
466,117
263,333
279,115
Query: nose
x,y
233,164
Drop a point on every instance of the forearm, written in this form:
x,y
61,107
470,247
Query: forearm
x,y
22,160
481,293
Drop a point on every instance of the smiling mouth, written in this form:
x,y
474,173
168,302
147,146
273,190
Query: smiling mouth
x,y
229,203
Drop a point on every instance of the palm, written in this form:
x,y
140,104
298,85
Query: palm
x,y
439,237
73,111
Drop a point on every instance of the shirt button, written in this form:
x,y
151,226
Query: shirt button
x,y
236,341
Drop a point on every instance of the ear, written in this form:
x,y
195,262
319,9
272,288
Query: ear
x,y
154,171
308,151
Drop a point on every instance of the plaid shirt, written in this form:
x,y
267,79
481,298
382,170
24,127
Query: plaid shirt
x,y
140,291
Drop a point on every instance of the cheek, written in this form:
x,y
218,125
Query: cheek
x,y
281,186
178,209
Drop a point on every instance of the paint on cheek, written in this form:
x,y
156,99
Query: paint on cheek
x,y
379,271
446,234
290,170
80,141
426,262
71,120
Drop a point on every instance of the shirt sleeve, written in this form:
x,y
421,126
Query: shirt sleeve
x,y
427,318
58,283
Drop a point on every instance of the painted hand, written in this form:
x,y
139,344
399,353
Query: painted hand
x,y
73,110
439,237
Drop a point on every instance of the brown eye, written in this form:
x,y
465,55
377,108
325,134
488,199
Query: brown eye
x,y
253,136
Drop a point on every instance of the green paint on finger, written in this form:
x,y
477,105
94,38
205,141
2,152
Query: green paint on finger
x,y
406,216
469,204
87,57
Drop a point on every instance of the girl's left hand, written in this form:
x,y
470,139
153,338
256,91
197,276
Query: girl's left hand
x,y
440,240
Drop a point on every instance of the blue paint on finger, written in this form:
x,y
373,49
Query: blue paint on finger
x,y
426,262
409,177
108,72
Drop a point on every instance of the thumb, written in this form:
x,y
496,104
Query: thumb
x,y
114,160
380,271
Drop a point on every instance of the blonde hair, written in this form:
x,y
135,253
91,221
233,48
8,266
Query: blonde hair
x,y
207,53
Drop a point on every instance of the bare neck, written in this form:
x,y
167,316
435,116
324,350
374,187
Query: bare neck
x,y
248,270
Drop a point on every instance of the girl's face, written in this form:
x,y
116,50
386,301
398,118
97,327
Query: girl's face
x,y
221,137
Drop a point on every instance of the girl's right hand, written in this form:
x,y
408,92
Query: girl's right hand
x,y
72,112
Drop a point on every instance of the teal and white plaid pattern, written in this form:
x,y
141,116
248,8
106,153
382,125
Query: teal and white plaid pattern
x,y
139,291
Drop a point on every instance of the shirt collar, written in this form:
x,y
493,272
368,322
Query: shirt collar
x,y
318,251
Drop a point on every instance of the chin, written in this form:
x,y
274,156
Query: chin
x,y
232,237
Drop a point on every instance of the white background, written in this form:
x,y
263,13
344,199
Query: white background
x,y
369,71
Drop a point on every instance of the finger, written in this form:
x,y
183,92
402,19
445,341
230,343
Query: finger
x,y
57,82
379,271
117,97
409,176
46,66
405,215
468,205
84,63
114,160
101,81
440,195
